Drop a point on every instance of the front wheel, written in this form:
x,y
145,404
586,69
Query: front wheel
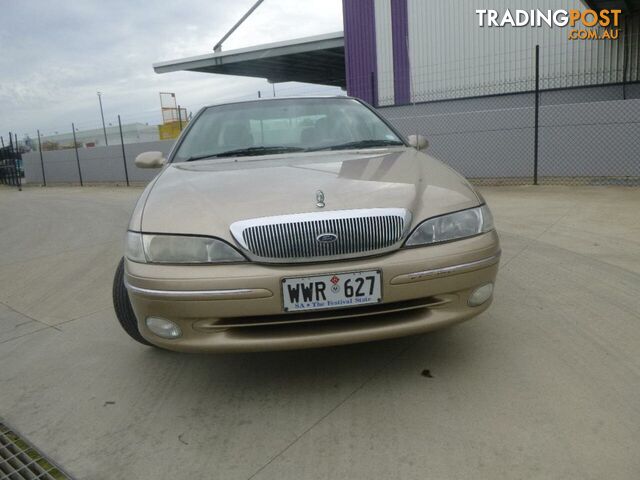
x,y
122,306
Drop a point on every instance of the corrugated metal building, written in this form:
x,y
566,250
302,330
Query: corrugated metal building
x,y
407,51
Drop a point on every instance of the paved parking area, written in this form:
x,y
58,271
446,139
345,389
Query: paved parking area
x,y
545,384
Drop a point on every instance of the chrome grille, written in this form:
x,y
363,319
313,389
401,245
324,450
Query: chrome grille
x,y
291,238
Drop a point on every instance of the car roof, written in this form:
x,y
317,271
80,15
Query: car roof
x,y
271,99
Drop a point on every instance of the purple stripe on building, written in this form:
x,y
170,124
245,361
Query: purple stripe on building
x,y
360,49
400,38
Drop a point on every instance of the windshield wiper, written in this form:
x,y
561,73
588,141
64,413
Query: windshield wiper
x,y
246,152
199,157
360,144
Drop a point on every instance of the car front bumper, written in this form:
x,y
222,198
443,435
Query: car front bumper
x,y
240,308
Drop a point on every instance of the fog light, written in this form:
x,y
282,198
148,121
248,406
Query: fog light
x,y
163,328
480,295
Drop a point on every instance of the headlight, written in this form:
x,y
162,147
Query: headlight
x,y
452,226
152,248
133,248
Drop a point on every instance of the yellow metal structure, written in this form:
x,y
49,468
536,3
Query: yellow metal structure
x,y
174,118
170,130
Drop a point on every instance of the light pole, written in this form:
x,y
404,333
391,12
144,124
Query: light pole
x,y
104,129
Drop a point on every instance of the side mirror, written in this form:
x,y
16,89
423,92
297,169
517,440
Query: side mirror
x,y
150,160
419,142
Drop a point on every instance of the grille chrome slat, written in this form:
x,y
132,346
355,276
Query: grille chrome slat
x,y
293,238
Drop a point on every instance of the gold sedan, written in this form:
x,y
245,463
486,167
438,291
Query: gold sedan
x,y
298,223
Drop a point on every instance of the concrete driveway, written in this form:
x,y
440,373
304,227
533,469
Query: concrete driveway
x,y
545,385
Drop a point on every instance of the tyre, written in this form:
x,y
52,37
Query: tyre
x,y
123,308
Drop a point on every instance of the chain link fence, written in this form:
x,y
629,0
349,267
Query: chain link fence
x,y
585,136
489,140
558,114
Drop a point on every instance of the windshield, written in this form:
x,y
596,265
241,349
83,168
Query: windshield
x,y
288,125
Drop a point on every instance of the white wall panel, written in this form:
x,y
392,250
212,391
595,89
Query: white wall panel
x,y
451,56
384,50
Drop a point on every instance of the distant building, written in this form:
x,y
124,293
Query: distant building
x,y
131,133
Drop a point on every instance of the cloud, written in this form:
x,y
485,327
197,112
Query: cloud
x,y
55,56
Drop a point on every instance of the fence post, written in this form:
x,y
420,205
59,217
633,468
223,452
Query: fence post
x,y
75,147
537,112
180,117
124,155
18,157
1,158
10,172
11,154
44,179
3,177
14,152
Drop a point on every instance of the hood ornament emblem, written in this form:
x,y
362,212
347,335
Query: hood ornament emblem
x,y
320,199
327,238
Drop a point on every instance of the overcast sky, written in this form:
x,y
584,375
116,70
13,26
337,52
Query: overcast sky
x,y
55,56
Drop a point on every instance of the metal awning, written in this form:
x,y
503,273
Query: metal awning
x,y
318,59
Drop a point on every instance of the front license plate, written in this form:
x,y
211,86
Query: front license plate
x,y
331,291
